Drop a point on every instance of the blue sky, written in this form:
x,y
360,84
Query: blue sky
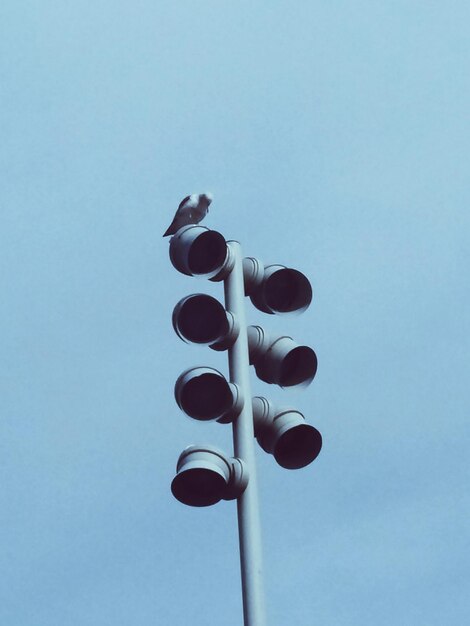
x,y
335,139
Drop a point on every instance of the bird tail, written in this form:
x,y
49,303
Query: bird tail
x,y
171,230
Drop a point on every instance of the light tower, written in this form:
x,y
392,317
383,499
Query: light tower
x,y
204,474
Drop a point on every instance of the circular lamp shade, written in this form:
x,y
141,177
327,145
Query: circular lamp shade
x,y
297,446
298,366
200,318
280,360
204,476
283,290
197,251
204,394
285,434
203,473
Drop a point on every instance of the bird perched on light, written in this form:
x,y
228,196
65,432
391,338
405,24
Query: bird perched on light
x,y
191,210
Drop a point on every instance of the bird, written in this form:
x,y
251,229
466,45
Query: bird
x,y
191,210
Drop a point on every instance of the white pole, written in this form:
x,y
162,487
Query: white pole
x,y
249,528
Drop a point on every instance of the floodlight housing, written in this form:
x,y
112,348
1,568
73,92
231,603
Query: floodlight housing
x,y
280,360
276,289
200,318
284,433
204,476
197,251
205,394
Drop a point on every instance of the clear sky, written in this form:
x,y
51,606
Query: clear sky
x,y
335,139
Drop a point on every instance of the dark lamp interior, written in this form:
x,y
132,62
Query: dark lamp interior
x,y
287,290
299,366
198,487
202,319
298,446
206,397
207,253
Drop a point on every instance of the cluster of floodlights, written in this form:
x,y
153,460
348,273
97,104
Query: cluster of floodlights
x,y
205,475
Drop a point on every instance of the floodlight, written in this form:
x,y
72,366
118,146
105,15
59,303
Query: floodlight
x,y
200,318
197,251
276,288
204,394
280,360
204,476
284,433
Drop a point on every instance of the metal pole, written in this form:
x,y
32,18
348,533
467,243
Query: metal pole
x,y
249,529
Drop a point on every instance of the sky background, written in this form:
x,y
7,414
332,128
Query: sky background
x,y
335,138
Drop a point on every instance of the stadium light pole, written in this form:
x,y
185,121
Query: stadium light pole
x,y
249,528
205,475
